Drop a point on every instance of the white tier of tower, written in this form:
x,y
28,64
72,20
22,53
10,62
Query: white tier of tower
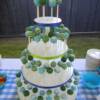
x,y
47,50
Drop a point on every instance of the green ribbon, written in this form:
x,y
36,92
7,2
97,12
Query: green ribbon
x,y
47,58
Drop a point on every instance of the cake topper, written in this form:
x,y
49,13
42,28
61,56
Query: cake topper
x,y
50,20
50,3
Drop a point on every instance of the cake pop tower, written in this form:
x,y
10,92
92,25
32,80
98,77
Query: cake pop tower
x,y
47,72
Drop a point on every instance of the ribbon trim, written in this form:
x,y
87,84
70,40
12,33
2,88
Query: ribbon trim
x,y
47,58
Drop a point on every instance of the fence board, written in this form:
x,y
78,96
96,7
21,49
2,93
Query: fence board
x,y
97,17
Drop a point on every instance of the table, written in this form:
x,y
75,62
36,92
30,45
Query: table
x,y
11,66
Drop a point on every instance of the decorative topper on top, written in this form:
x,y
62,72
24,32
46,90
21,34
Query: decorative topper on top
x,y
50,3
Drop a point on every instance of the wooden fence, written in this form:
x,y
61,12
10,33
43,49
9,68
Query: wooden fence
x,y
78,15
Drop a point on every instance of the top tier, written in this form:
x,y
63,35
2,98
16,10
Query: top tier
x,y
50,19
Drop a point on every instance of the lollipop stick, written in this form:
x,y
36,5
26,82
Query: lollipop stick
x,y
29,40
38,12
43,8
47,30
57,10
51,11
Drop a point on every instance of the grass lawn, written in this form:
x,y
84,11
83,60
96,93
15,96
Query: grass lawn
x,y
12,47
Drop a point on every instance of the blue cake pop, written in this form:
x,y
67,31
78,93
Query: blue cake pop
x,y
36,2
52,3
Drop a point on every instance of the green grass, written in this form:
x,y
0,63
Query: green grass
x,y
12,47
82,44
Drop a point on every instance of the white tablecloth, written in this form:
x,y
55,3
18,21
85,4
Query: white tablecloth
x,y
14,63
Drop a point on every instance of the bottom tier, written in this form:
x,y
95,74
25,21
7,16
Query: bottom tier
x,y
65,91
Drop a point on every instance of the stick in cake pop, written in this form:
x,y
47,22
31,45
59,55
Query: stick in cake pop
x,y
37,3
51,11
29,40
43,10
38,14
52,3
58,3
43,3
57,10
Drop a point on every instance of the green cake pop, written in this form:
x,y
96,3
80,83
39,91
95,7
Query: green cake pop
x,y
18,74
63,88
70,92
24,60
53,39
43,2
35,90
49,92
29,34
26,93
53,64
71,57
40,98
19,83
56,97
45,38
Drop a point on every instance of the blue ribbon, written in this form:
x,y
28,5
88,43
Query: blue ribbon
x,y
46,87
50,25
